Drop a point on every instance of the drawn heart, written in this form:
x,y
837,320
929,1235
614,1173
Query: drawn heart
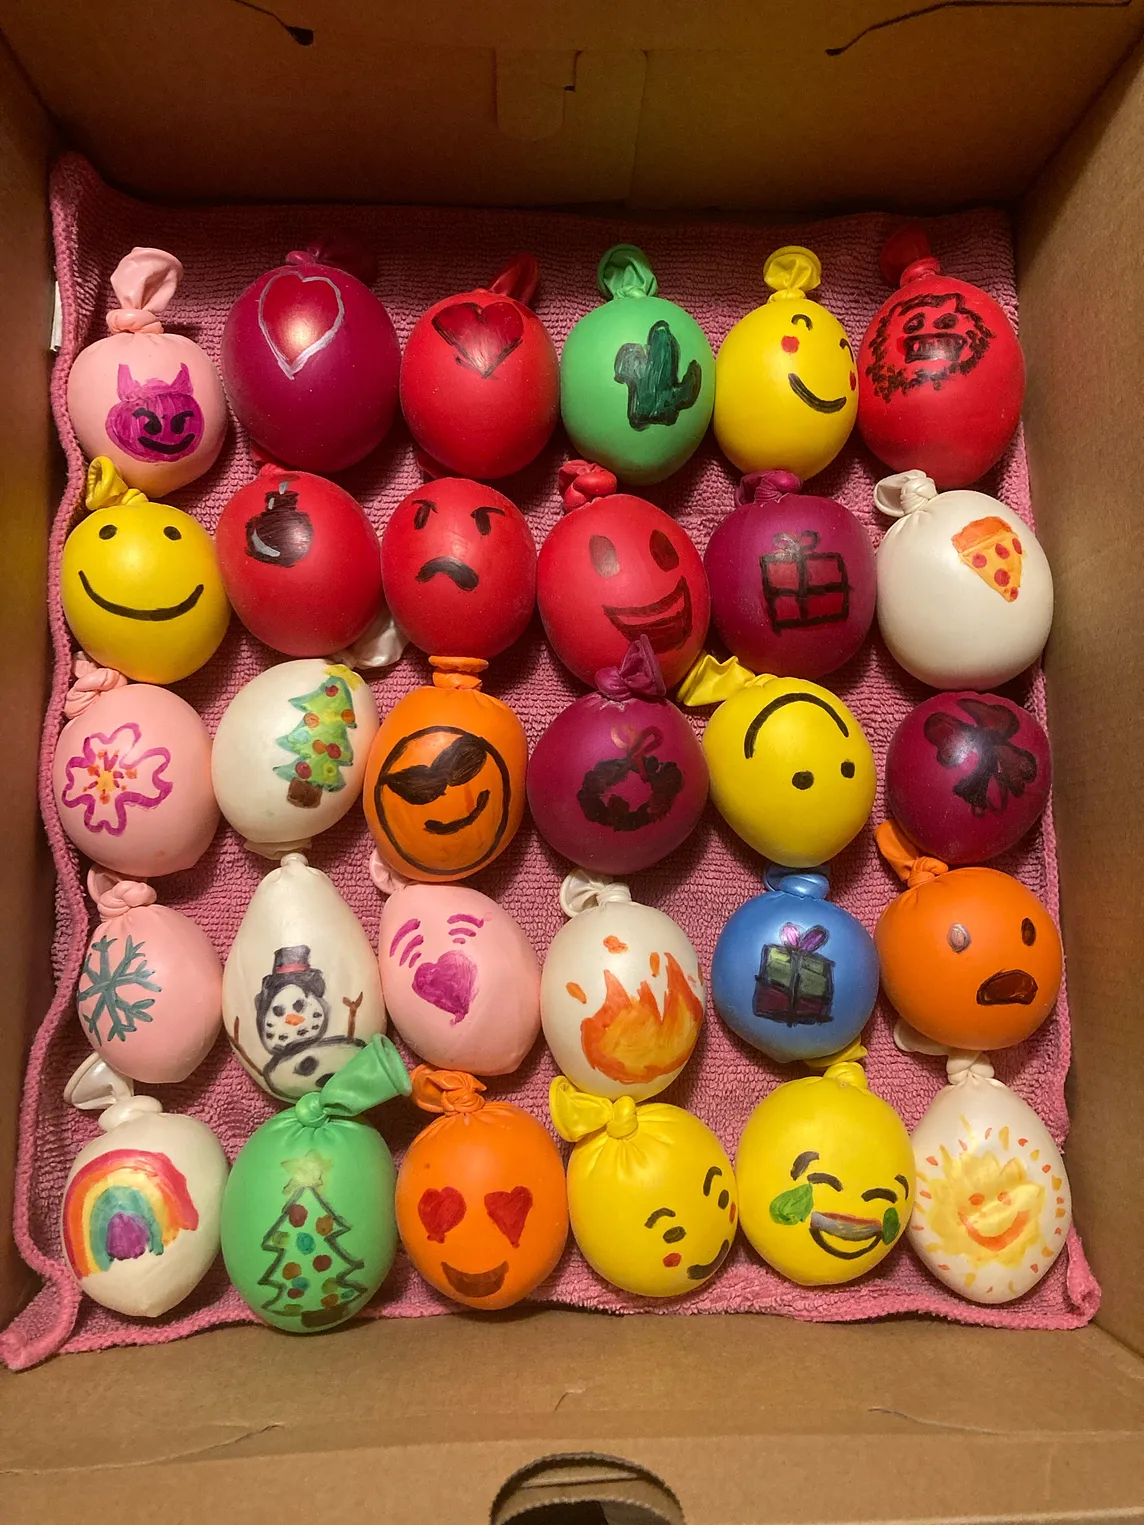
x,y
450,983
508,1210
299,315
482,336
440,1211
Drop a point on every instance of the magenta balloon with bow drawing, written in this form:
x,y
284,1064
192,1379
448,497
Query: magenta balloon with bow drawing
x,y
152,401
311,359
460,977
792,578
619,780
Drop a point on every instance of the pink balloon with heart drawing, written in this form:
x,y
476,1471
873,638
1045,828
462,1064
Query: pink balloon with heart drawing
x,y
311,361
460,978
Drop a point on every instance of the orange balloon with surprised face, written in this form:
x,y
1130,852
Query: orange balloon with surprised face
x,y
445,779
482,1207
970,957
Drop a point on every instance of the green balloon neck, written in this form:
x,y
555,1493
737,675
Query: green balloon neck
x,y
624,271
371,1077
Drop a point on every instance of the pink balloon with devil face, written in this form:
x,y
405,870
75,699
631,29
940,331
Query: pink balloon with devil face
x,y
150,400
460,978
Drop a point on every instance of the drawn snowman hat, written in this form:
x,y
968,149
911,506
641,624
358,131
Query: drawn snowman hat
x,y
294,960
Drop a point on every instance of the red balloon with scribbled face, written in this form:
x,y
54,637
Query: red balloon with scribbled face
x,y
615,568
458,564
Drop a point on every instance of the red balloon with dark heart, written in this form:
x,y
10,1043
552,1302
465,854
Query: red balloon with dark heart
x,y
300,562
967,775
941,374
310,359
619,780
480,382
615,568
459,568
792,579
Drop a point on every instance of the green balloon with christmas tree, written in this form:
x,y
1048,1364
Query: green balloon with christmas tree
x,y
308,1226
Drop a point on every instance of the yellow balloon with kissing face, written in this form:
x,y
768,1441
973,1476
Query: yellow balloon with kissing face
x,y
791,770
651,1192
826,1177
786,388
139,582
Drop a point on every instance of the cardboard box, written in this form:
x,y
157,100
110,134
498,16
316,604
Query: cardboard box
x,y
719,1421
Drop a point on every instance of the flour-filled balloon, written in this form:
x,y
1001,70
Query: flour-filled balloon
x,y
941,374
311,360
616,568
480,382
792,578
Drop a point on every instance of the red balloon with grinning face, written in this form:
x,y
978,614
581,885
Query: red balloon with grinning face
x,y
615,568
941,374
458,564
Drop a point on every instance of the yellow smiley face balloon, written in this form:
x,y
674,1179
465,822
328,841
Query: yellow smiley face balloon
x,y
826,1177
140,585
791,770
651,1192
786,389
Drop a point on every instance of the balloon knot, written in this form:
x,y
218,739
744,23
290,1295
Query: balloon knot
x,y
90,682
457,672
637,676
581,482
624,1120
446,1090
114,897
766,487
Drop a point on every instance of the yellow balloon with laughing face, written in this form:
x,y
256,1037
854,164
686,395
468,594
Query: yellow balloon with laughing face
x,y
826,1177
139,583
791,770
651,1192
786,387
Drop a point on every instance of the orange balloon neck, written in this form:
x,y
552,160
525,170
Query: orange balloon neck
x,y
457,672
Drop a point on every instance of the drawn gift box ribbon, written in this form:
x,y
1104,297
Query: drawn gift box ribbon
x,y
795,984
803,586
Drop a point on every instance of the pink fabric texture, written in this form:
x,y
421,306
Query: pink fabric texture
x,y
714,269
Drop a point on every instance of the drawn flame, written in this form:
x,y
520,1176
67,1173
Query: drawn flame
x,y
631,1041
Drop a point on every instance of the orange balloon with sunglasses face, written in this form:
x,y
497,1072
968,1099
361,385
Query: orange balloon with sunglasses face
x,y
970,957
444,783
482,1208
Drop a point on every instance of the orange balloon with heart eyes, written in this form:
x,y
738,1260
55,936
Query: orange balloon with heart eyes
x,y
482,1207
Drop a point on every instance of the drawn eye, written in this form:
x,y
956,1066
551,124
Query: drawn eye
x,y
912,325
151,423
179,422
674,1235
481,519
947,320
1028,933
801,317
421,511
958,938
279,1011
803,779
666,556
171,532
440,1211
107,532
847,769
604,557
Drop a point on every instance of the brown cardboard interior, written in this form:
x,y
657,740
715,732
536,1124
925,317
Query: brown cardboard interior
x,y
749,1419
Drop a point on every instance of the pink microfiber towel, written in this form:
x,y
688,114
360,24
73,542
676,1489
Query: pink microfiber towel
x,y
715,270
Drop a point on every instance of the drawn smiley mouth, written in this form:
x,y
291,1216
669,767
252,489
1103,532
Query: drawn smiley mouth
x,y
812,399
699,1273
1009,987
848,1228
944,347
458,572
161,447
666,623
476,1283
450,828
125,610
996,1242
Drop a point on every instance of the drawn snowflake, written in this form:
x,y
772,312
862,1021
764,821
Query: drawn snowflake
x,y
103,995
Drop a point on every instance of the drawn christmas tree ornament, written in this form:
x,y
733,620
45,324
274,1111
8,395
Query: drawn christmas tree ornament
x,y
308,1228
290,753
967,775
131,775
651,1192
140,1216
965,594
139,583
619,780
791,770
941,374
792,974
637,376
785,385
149,998
311,360
480,382
481,1204
461,979
301,563
792,578
150,401
301,995
613,569
621,992
969,956
993,1206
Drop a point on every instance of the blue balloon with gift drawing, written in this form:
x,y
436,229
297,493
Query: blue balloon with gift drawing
x,y
794,975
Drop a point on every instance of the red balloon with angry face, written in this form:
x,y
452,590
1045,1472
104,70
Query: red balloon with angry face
x,y
458,564
614,569
941,374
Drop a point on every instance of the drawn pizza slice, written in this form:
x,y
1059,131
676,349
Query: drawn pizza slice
x,y
992,548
